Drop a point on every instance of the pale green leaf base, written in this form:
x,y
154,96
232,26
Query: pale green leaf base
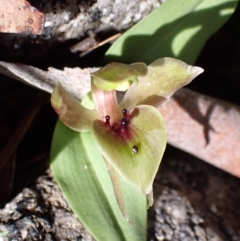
x,y
81,173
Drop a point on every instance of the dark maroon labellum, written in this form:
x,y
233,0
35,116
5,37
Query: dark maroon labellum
x,y
122,127
134,150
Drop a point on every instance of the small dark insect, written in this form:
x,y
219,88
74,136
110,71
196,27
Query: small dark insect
x,y
134,150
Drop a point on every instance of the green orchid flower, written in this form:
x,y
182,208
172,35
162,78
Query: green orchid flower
x,y
131,135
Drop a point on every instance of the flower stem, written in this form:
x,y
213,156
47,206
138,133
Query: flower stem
x,y
106,104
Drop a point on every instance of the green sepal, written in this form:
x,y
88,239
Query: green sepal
x,y
118,76
70,111
165,76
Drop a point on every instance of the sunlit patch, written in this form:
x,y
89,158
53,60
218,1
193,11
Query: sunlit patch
x,y
182,39
227,11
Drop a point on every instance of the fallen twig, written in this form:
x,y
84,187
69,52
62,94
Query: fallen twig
x,y
205,127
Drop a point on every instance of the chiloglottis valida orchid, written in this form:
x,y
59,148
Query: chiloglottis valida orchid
x,y
130,134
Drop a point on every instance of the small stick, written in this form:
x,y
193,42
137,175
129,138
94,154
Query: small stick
x,y
89,44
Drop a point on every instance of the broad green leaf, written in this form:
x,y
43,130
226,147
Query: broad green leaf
x,y
81,173
116,75
178,28
136,151
165,76
70,111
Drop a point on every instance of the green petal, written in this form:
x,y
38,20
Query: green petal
x,y
118,76
165,76
136,152
70,111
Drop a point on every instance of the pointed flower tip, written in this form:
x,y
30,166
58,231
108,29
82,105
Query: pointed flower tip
x,y
57,101
197,71
61,111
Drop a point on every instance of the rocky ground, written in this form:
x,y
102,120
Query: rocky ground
x,y
193,200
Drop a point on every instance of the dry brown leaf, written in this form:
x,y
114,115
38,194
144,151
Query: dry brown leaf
x,y
74,80
205,127
19,16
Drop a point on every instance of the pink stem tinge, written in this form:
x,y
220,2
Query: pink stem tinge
x,y
106,104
